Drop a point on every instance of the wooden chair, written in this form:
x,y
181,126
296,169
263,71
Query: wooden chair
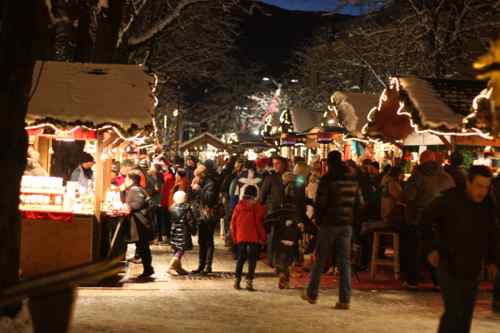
x,y
377,261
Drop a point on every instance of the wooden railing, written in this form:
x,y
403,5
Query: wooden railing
x,y
51,297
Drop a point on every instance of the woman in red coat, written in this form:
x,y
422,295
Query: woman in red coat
x,y
165,199
168,185
247,230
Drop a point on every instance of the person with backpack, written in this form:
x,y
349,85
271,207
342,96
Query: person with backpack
x,y
183,226
140,225
248,234
206,195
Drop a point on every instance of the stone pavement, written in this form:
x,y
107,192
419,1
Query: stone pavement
x,y
210,304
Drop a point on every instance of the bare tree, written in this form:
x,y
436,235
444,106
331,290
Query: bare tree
x,y
421,37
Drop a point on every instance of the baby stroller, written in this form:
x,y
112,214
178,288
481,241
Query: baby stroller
x,y
286,235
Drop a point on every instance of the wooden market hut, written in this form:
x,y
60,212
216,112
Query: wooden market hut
x,y
103,103
418,109
348,112
199,145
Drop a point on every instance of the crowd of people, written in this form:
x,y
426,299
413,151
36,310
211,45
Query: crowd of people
x,y
279,209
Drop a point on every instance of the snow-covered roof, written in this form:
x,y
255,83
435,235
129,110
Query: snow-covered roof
x,y
438,104
204,138
91,93
353,109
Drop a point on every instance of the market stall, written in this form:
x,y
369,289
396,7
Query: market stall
x,y
76,110
205,146
296,125
421,114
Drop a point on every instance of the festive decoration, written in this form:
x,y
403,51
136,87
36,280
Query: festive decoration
x,y
484,118
264,115
286,125
385,122
342,113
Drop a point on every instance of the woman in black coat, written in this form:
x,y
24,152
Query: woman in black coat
x,y
183,226
141,229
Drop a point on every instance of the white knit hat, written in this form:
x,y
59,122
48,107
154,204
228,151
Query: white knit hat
x,y
180,197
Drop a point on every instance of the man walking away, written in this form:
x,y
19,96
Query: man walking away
x,y
338,198
273,197
464,235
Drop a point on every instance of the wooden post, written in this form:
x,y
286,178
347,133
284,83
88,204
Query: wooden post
x,y
99,179
44,145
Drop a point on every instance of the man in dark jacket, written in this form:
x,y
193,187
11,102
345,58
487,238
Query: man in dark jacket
x,y
206,195
464,234
338,198
273,191
427,182
273,196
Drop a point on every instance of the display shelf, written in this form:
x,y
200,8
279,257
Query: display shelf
x,y
32,190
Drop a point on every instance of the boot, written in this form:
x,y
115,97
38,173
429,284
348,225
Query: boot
x,y
172,267
179,269
202,256
146,273
237,282
199,270
249,285
342,306
210,258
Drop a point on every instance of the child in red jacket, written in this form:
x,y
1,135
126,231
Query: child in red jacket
x,y
247,230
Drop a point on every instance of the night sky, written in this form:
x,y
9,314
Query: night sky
x,y
318,5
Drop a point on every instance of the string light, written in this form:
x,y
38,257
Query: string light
x,y
86,128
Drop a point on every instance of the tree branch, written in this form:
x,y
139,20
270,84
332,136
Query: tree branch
x,y
160,25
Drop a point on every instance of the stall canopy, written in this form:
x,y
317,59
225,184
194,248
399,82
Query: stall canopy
x,y
423,105
203,139
353,109
251,141
95,94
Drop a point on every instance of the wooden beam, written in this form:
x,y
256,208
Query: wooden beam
x,y
446,142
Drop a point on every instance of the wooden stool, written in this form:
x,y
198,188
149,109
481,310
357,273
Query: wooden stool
x,y
376,261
